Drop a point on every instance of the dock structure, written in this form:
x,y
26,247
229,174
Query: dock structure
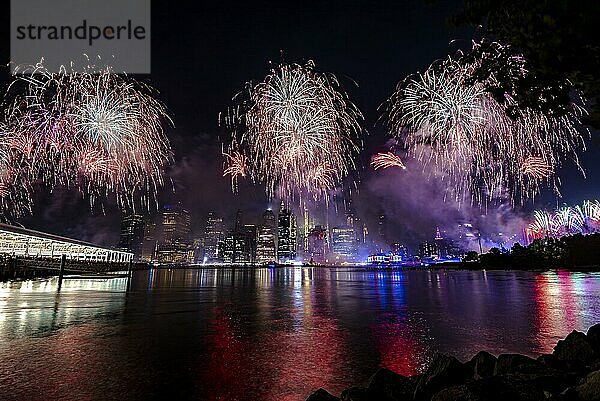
x,y
25,243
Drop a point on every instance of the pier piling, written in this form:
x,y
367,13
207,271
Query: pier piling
x,y
63,261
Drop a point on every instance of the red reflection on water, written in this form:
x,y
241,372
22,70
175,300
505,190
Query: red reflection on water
x,y
285,363
395,339
225,363
556,307
397,349
306,362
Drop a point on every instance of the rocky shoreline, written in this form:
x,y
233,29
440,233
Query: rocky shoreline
x,y
571,372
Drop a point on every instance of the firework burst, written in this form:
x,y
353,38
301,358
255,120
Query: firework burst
x,y
536,167
386,160
298,130
451,123
581,219
235,167
94,130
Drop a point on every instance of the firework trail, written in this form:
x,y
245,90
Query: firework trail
x,y
453,125
235,166
95,130
386,160
298,130
536,167
581,219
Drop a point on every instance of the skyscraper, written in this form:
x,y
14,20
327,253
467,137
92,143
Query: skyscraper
x,y
132,234
149,243
343,242
305,230
266,245
213,235
286,235
240,243
250,232
440,244
173,239
317,244
176,223
238,221
236,248
382,233
381,226
428,251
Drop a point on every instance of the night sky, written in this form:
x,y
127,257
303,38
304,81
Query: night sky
x,y
204,52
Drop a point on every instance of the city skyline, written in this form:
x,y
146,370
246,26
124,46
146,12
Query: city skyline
x,y
281,236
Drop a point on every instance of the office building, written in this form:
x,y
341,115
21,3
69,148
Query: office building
x,y
240,243
382,233
428,250
286,235
343,242
214,234
149,242
173,241
132,235
266,250
317,244
250,231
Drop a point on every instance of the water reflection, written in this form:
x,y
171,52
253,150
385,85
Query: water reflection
x,y
36,307
270,334
564,301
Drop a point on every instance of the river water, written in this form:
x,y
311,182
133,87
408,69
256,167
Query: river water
x,y
270,334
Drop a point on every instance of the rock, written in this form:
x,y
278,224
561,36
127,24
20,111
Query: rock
x,y
444,371
551,361
569,394
515,363
588,388
454,393
548,380
392,385
366,394
593,337
594,365
321,395
483,365
355,394
501,388
574,348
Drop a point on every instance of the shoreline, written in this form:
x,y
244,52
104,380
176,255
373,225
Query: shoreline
x,y
570,373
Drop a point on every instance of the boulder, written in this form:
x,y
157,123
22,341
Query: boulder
x,y
574,348
588,388
483,365
548,380
392,385
593,337
454,393
551,361
443,372
515,363
321,395
366,394
355,394
501,388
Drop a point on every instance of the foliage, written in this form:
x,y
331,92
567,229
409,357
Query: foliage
x,y
574,251
559,40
